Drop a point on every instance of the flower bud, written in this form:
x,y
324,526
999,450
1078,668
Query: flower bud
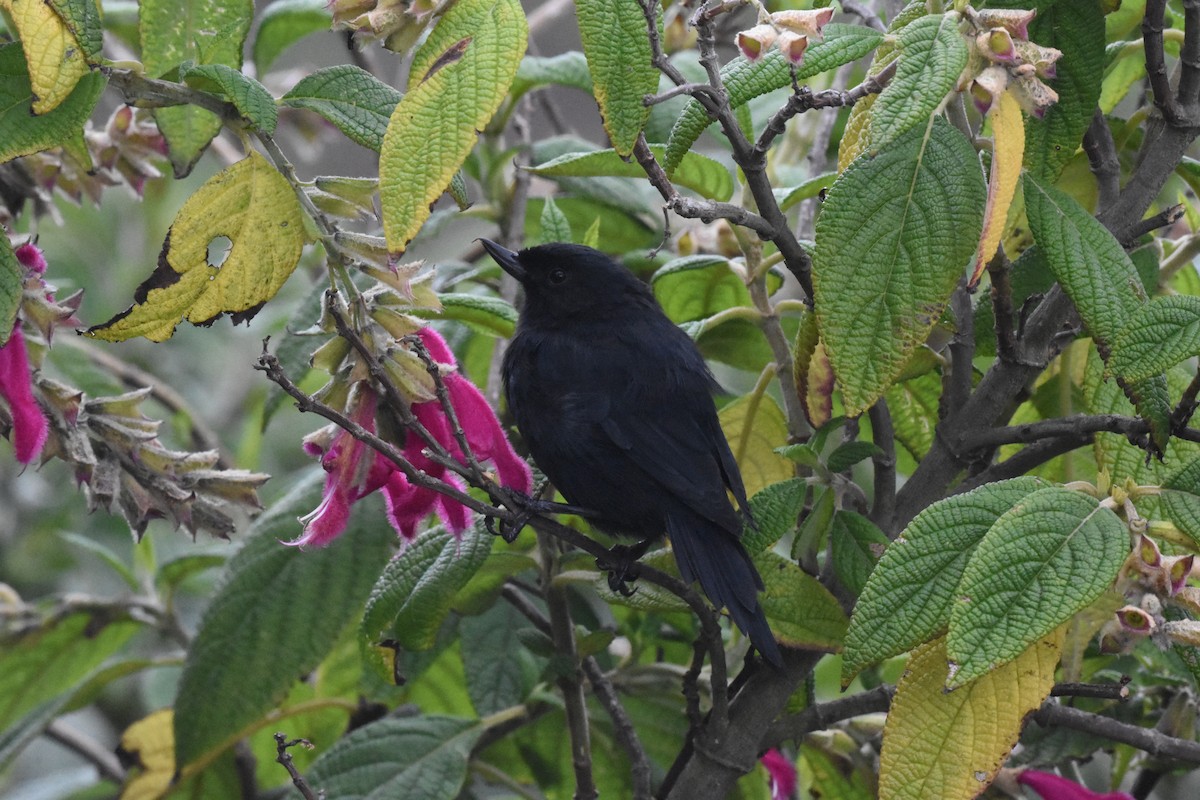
x,y
807,23
755,42
792,45
1135,620
1042,59
1015,21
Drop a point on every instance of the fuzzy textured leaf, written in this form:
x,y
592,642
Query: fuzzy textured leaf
x,y
82,18
1051,555
776,510
11,288
1008,148
354,100
895,235
21,131
285,22
414,593
856,547
565,69
618,54
907,599
276,616
932,56
707,177
755,426
202,31
1180,499
482,313
417,758
744,80
456,86
699,286
55,58
249,97
801,611
1159,335
252,205
949,745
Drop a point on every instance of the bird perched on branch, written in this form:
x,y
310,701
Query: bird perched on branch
x,y
615,403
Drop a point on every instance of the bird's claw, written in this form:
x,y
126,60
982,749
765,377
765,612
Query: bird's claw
x,y
622,567
508,528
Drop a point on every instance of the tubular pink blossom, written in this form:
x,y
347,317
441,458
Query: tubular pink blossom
x,y
1054,787
29,425
782,774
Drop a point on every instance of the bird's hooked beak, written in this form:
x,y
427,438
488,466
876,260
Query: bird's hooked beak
x,y
507,259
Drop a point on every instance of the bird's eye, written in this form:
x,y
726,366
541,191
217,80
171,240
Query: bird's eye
x,y
558,275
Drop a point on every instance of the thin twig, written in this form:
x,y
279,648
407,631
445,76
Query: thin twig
x,y
443,396
623,728
1148,740
1104,691
99,756
1164,218
821,716
282,743
1187,404
1070,427
1156,63
869,17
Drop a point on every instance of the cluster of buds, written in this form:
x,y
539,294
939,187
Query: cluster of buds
x,y
128,149
1156,585
112,447
1003,59
787,30
422,377
397,23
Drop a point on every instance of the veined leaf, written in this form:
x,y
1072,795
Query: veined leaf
x,y
555,225
1008,148
856,547
932,56
1054,553
696,287
267,588
895,235
489,315
810,188
801,611
776,509
21,131
203,31
12,287
744,80
82,18
813,373
705,176
252,205
285,22
417,758
456,87
55,58
249,97
949,745
1158,336
907,599
351,98
1180,499
565,69
617,47
755,426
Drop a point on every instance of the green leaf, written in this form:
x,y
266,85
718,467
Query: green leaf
x,y
908,597
417,758
1052,554
708,178
1099,277
177,570
744,80
460,75
50,660
414,593
354,100
482,313
914,408
801,611
1159,335
849,454
105,554
285,22
932,56
775,510
83,20
12,288
500,672
810,188
278,613
857,546
565,69
1076,27
617,46
249,97
21,131
620,230
1180,499
203,31
555,225
893,238
699,286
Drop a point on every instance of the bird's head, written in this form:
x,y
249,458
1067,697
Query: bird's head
x,y
571,281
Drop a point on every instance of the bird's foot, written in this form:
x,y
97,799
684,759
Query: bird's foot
x,y
622,566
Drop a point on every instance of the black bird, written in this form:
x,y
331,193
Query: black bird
x,y
615,403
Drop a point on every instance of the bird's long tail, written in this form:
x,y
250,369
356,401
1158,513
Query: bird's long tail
x,y
707,553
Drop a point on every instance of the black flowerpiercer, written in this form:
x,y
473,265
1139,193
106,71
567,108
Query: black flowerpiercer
x,y
615,403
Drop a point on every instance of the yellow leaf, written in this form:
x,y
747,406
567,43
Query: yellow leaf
x,y
151,741
949,745
254,207
432,130
591,236
858,132
755,426
1008,149
52,52
813,373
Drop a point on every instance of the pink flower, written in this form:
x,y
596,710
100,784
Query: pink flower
x,y
781,772
29,427
1054,787
351,477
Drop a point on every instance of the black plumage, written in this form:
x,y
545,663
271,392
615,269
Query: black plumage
x,y
615,403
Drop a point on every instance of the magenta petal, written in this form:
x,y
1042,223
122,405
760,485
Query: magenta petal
x,y
30,427
439,351
328,521
31,258
485,435
1055,787
782,773
407,505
